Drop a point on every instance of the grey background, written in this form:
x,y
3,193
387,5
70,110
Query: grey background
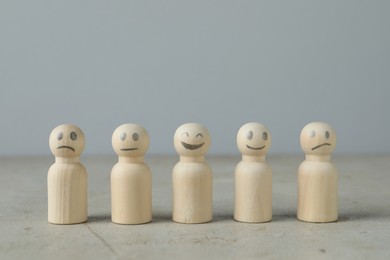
x,y
99,64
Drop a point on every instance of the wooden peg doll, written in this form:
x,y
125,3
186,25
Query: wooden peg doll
x,y
253,175
131,179
67,177
317,176
192,177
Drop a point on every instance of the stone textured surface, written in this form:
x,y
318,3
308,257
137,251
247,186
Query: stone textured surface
x,y
362,232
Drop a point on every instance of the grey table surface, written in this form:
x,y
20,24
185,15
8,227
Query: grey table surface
x,y
362,232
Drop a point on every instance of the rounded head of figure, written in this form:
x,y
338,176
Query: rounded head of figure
x,y
67,141
192,139
253,139
130,140
318,138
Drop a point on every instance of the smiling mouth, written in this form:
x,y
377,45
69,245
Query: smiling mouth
x,y
255,148
192,146
129,149
320,145
65,147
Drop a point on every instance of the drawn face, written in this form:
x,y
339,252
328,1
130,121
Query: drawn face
x,y
130,140
253,139
67,141
318,138
191,140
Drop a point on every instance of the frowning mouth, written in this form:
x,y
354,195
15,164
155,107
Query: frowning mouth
x,y
255,148
129,149
65,147
192,146
320,145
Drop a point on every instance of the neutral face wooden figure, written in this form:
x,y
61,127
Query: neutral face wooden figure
x,y
253,175
67,177
131,179
317,176
192,177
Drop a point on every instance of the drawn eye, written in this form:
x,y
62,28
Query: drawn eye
x,y
265,136
250,135
199,135
312,134
73,136
123,136
327,134
60,136
135,137
185,133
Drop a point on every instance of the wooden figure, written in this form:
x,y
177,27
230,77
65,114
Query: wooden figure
x,y
192,177
67,177
253,175
317,176
131,179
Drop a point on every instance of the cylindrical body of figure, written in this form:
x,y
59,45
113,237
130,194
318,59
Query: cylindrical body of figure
x,y
192,192
317,192
253,192
67,193
131,193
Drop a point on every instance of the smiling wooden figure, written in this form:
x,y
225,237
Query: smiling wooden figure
x,y
192,177
317,176
67,177
253,175
131,179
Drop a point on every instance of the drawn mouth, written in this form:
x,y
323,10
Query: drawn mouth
x,y
129,149
65,147
255,148
192,146
318,146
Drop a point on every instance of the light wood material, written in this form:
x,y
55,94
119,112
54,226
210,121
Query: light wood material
x,y
131,179
67,177
192,177
317,176
253,175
